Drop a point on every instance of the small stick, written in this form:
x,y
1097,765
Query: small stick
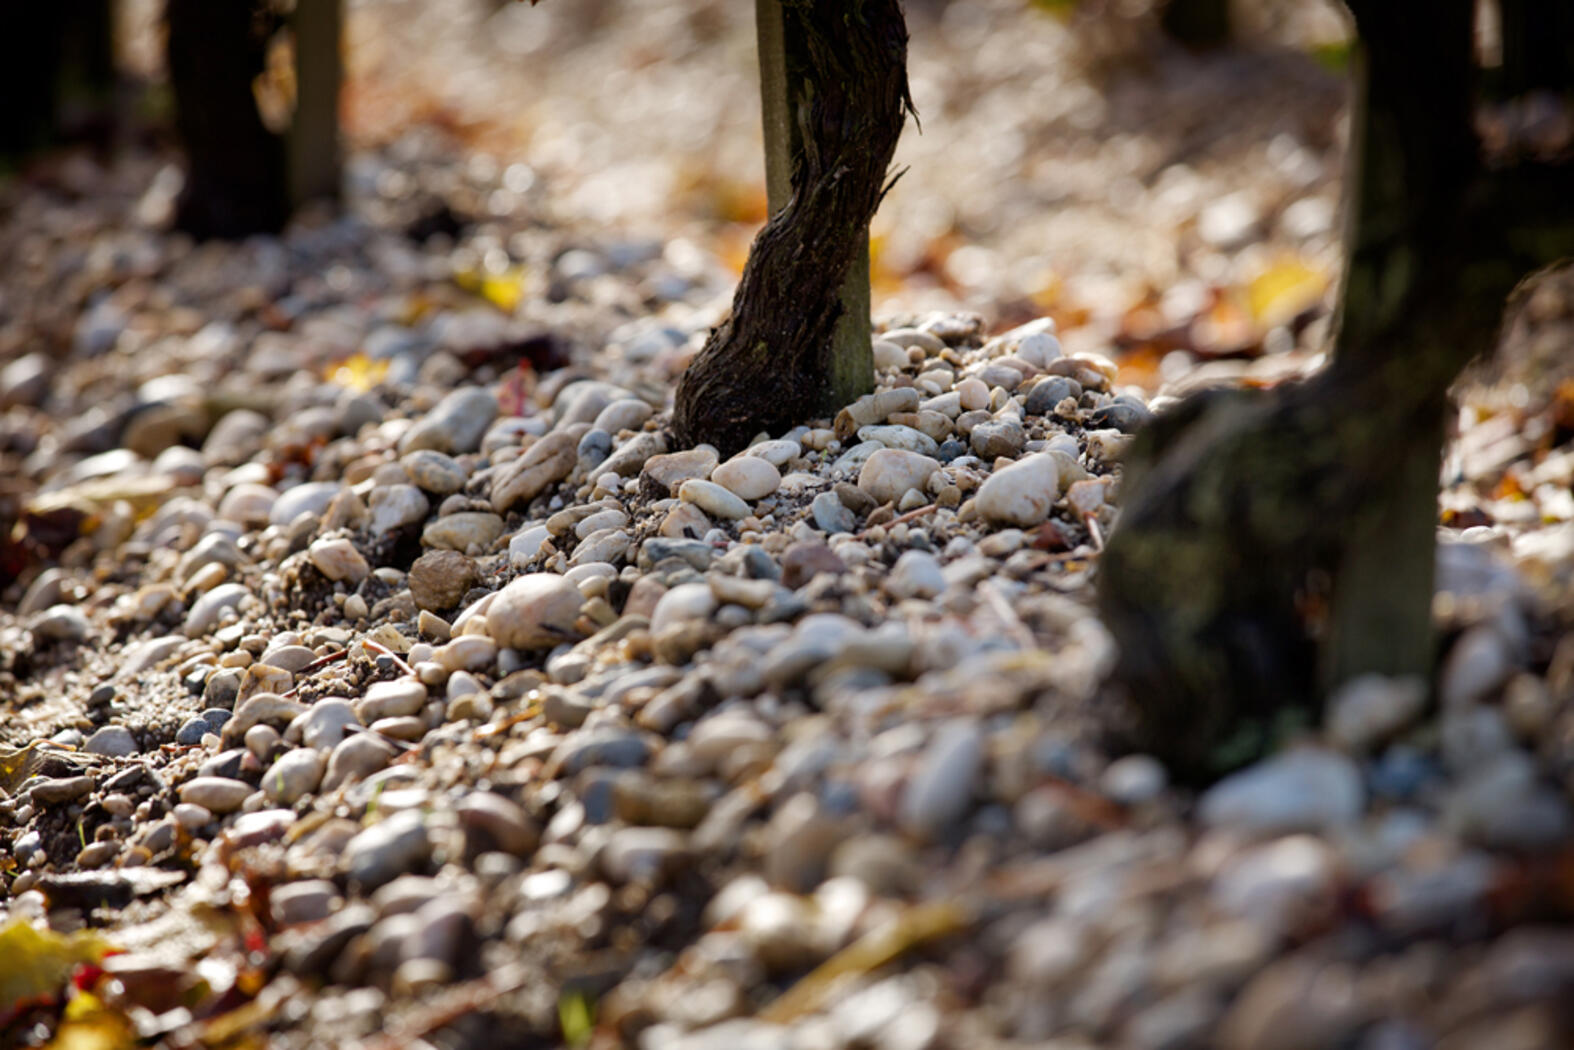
x,y
383,650
1093,530
912,515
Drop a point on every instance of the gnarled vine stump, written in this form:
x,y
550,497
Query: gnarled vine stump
x,y
1274,545
773,362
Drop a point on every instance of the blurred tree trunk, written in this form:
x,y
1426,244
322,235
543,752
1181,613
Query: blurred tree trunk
x,y
313,140
840,99
1198,24
1271,547
235,167
63,55
1538,45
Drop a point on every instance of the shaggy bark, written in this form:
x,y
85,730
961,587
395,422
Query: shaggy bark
x,y
235,167
772,364
1272,546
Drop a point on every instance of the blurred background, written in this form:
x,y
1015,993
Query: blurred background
x,y
1171,205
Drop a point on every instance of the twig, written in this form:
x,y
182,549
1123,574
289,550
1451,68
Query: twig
x,y
912,515
383,650
317,665
1093,531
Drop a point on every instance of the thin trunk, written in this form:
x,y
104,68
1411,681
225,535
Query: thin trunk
x,y
781,94
1198,24
776,361
235,170
313,140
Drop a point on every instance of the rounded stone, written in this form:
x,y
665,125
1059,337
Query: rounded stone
x,y
713,499
215,794
337,559
536,611
1022,494
748,477
114,741
294,775
889,472
440,579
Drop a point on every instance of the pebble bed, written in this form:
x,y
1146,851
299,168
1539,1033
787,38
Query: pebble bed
x,y
400,683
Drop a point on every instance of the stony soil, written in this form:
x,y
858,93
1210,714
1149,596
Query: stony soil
x,y
378,673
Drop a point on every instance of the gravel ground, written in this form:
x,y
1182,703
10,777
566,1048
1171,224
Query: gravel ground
x,y
396,682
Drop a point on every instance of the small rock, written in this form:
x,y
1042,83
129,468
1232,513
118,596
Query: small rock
x,y
215,794
293,776
310,497
454,425
941,790
1023,493
713,499
1299,790
434,472
464,531
536,611
387,850
440,579
749,477
114,741
916,575
397,506
668,472
830,515
1370,709
337,559
403,696
890,472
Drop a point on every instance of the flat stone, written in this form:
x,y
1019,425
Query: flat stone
x,y
403,696
434,471
713,499
310,497
114,741
454,425
463,531
668,472
543,464
1298,790
215,794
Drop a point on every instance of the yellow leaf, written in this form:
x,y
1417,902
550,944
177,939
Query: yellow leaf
x,y
90,1025
37,963
1284,290
504,290
357,372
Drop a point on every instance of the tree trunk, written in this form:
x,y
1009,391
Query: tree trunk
x,y
1538,45
852,355
1273,546
836,102
1198,24
314,135
64,59
235,168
